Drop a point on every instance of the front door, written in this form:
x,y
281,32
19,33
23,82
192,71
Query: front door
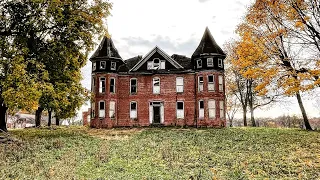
x,y
156,114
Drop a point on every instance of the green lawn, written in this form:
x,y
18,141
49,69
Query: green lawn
x,y
161,153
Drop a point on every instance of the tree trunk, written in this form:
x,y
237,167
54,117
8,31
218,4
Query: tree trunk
x,y
57,121
3,123
303,111
38,116
49,117
244,108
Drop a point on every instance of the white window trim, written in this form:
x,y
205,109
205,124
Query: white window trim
x,y
94,66
200,83
220,64
102,115
114,85
100,84
211,83
211,64
153,87
114,110
201,117
135,110
179,85
113,65
221,88
136,86
199,60
105,64
214,108
179,110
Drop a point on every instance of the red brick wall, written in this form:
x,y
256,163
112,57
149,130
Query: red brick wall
x,y
167,95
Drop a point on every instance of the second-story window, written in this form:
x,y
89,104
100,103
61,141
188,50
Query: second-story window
x,y
102,85
156,85
112,85
210,62
210,83
200,83
199,63
93,84
113,65
179,84
220,83
220,64
102,65
133,86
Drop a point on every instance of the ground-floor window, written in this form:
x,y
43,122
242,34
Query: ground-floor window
x,y
133,110
112,109
212,108
201,109
221,109
102,109
180,109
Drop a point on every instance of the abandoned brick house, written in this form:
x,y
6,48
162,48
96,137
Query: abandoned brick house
x,y
158,89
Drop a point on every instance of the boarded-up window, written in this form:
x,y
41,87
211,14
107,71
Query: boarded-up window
x,y
112,108
220,83
210,83
102,85
102,65
156,85
102,111
199,63
220,64
113,66
180,109
133,86
179,84
212,108
162,64
201,109
221,109
133,110
200,83
210,62
112,85
156,63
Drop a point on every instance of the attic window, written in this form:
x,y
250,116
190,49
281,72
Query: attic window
x,y
156,63
199,63
94,66
220,63
210,62
113,66
102,65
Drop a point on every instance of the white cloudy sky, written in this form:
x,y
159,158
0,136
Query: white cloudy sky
x,y
176,26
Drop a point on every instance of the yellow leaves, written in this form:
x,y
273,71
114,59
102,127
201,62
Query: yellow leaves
x,y
299,25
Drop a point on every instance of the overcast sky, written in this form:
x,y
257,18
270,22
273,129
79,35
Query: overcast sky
x,y
176,26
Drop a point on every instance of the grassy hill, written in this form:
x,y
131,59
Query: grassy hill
x,y
161,153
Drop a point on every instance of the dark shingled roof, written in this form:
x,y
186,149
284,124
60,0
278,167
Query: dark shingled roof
x,y
184,61
208,45
132,61
106,49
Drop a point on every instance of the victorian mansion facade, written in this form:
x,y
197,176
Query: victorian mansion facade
x,y
158,89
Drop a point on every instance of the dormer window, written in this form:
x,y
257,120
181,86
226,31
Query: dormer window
x,y
94,66
220,63
155,64
210,62
102,65
199,63
113,65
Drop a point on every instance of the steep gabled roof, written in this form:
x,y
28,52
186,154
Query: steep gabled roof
x,y
106,49
208,45
161,52
183,60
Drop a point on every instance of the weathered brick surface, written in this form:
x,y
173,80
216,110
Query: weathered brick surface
x,y
168,96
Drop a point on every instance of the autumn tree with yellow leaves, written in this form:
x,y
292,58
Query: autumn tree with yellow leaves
x,y
279,47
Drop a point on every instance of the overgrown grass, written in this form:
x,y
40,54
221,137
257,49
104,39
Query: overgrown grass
x,y
161,153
